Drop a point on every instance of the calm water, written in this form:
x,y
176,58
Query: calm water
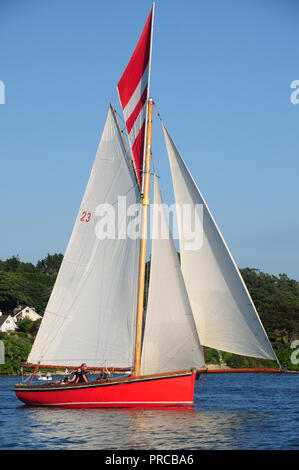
x,y
232,411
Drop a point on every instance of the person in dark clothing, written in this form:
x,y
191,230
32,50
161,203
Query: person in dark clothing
x,y
80,375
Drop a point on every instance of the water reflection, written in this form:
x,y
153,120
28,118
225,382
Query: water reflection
x,y
173,428
248,412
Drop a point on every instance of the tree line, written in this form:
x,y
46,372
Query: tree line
x,y
275,297
26,283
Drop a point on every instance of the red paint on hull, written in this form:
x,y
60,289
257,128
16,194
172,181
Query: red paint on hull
x,y
147,391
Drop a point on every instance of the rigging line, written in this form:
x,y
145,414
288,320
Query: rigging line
x,y
124,130
150,172
113,204
154,172
153,158
157,111
120,116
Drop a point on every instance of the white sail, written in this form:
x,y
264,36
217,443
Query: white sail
x,y
90,316
170,338
224,313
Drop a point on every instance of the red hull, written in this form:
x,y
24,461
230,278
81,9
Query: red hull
x,y
171,389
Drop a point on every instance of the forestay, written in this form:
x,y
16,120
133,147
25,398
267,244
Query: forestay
x,y
90,316
170,339
224,313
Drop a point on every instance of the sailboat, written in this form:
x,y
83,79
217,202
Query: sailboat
x,y
95,313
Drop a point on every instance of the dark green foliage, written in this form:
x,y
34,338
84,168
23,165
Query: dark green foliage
x,y
32,289
17,348
50,265
276,300
242,362
29,327
24,283
284,356
212,356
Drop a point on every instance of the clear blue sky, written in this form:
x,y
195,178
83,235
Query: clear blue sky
x,y
221,75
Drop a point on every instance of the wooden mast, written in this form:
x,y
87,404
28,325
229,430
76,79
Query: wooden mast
x,y
145,209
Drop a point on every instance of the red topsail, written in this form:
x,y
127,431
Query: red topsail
x,y
133,89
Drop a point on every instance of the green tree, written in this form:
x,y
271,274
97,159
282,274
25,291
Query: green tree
x,y
50,265
12,264
31,289
212,356
29,326
17,349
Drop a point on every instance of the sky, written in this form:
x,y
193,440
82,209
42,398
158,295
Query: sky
x,y
221,79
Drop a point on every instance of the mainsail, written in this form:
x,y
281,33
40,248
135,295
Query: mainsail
x,y
170,339
91,313
224,313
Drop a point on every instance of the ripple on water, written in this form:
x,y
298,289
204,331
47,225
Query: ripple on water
x,y
232,411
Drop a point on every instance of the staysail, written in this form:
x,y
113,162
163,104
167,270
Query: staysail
x,y
224,313
133,90
170,338
90,316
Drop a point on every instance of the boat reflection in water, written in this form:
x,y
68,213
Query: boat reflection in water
x,y
171,428
231,411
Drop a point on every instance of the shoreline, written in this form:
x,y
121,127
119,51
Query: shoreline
x,y
210,369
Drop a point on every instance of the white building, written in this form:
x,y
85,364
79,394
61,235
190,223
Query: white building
x,y
7,323
22,312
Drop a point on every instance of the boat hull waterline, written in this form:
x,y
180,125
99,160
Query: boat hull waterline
x,y
175,389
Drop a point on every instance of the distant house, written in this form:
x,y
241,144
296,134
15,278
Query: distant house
x,y
7,323
23,311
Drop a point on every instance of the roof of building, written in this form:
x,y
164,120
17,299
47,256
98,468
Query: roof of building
x,y
18,311
3,319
